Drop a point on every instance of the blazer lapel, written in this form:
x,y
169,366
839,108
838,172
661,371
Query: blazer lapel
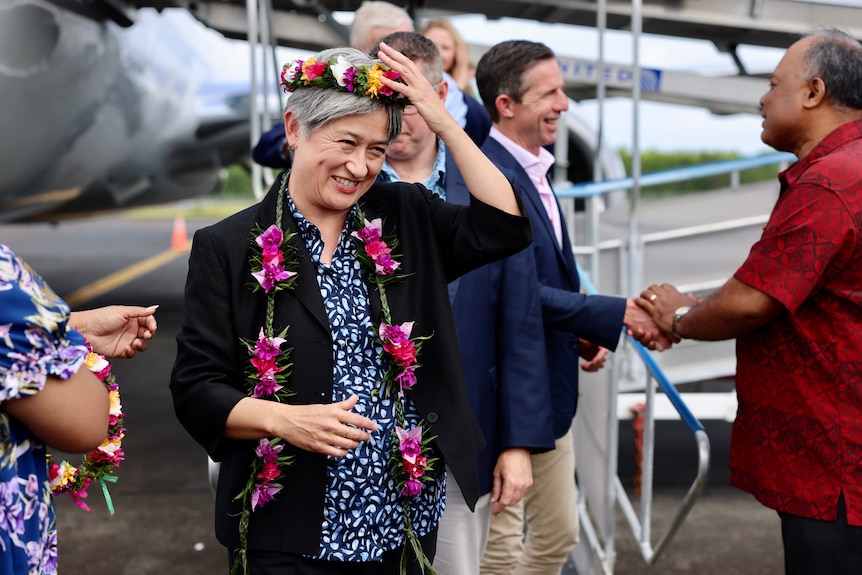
x,y
496,149
506,159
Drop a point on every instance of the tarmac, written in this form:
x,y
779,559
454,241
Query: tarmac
x,y
164,507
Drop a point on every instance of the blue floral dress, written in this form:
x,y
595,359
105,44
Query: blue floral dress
x,y
35,342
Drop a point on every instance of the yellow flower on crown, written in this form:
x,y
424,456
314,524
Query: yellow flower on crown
x,y
374,83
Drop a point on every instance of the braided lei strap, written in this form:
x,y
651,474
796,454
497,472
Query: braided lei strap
x,y
100,464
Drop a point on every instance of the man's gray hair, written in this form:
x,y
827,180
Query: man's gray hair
x,y
836,57
314,108
374,14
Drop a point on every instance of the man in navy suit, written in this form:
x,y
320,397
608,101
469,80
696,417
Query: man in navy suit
x,y
522,87
499,326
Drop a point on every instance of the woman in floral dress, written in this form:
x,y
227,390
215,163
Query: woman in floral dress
x,y
48,398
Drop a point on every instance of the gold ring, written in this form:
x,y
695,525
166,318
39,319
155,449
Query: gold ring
x,y
653,297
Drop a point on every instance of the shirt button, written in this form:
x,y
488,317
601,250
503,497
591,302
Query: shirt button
x,y
432,417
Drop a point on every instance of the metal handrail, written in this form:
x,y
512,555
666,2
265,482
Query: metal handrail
x,y
642,529
649,553
589,189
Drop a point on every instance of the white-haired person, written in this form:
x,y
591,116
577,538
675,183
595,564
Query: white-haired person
x,y
317,358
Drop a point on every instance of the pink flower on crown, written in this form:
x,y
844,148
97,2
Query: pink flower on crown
x,y
386,90
312,69
350,79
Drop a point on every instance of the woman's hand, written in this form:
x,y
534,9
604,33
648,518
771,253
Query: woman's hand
x,y
117,330
416,88
328,428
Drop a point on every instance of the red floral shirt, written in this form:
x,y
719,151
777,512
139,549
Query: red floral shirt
x,y
797,438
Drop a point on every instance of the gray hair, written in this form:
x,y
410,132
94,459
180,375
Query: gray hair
x,y
416,48
836,57
376,14
314,107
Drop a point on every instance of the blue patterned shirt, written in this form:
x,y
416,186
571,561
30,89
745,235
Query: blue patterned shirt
x,y
34,343
436,182
362,516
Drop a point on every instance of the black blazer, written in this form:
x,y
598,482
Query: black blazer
x,y
437,242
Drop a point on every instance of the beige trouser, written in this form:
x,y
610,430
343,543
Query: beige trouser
x,y
551,512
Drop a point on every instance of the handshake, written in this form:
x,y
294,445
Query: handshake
x,y
652,318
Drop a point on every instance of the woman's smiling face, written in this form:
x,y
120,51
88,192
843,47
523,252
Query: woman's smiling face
x,y
337,163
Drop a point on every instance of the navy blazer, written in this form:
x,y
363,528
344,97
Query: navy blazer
x,y
478,123
499,324
567,313
269,149
437,243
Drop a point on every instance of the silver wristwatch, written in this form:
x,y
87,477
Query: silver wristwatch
x,y
677,315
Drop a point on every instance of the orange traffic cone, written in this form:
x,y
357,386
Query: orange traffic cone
x,y
179,237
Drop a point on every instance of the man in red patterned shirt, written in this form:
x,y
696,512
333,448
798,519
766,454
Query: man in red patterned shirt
x,y
795,308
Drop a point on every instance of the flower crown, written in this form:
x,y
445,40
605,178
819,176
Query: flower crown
x,y
340,75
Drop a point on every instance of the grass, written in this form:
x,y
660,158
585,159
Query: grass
x,y
202,208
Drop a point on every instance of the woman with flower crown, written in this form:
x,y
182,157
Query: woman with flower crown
x,y
49,397
317,359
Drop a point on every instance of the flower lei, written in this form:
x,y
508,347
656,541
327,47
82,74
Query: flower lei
x,y
340,75
273,263
410,461
100,464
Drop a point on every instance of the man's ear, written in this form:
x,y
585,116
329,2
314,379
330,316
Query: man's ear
x,y
505,105
443,89
816,93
